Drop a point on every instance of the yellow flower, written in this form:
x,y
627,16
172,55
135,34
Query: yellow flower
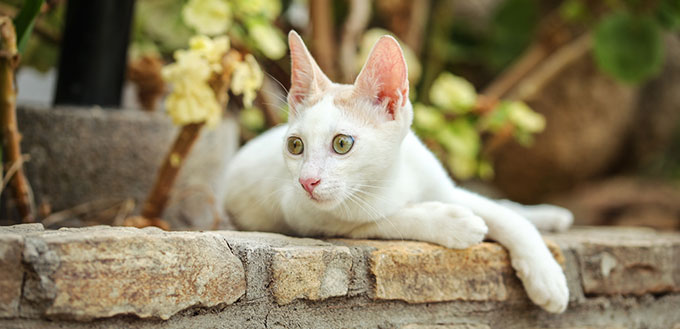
x,y
193,103
268,40
211,49
192,100
247,79
209,17
453,94
188,65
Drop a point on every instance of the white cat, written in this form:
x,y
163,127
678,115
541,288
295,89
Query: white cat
x,y
347,164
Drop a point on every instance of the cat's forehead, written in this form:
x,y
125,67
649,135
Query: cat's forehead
x,y
319,117
337,103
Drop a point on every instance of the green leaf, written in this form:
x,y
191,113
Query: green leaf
x,y
512,29
461,141
427,119
485,170
497,119
524,118
628,47
25,20
668,14
453,94
574,11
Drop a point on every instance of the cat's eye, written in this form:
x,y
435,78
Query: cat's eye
x,y
342,144
295,145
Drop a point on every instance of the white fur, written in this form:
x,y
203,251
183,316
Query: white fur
x,y
389,186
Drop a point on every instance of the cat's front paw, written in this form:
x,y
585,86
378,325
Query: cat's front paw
x,y
544,282
552,218
454,226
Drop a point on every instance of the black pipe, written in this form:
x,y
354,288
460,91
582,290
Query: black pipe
x,y
93,57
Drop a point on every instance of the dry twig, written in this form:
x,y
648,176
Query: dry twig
x,y
145,73
10,130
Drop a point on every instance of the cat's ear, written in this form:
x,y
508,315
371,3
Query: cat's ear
x,y
306,76
384,78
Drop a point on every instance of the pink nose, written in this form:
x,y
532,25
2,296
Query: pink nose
x,y
309,184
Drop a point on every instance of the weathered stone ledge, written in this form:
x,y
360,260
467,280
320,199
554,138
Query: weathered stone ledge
x,y
109,277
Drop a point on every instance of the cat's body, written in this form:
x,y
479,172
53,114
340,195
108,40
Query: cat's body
x,y
348,165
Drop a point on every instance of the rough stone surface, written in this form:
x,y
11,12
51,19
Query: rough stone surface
x,y
22,228
105,277
447,326
11,273
292,268
101,272
418,272
111,155
313,273
626,261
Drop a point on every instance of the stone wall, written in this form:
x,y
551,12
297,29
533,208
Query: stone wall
x,y
113,277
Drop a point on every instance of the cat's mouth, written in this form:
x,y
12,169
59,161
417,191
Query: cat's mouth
x,y
320,200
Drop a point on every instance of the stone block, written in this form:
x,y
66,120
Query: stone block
x,y
266,255
418,272
11,273
102,271
447,326
625,261
22,228
310,272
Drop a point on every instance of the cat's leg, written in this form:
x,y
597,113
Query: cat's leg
x,y
545,217
445,224
541,275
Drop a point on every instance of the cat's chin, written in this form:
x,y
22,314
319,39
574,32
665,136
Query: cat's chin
x,y
323,203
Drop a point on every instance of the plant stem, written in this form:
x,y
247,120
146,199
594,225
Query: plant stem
x,y
160,193
10,130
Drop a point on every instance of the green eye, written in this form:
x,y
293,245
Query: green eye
x,y
342,144
295,145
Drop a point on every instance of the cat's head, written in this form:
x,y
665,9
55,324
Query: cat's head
x,y
343,139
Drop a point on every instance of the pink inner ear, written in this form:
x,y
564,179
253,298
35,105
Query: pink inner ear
x,y
384,77
306,76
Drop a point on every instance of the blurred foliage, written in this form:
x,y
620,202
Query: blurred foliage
x,y
192,99
456,44
628,47
25,20
455,125
38,50
163,26
627,40
627,44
